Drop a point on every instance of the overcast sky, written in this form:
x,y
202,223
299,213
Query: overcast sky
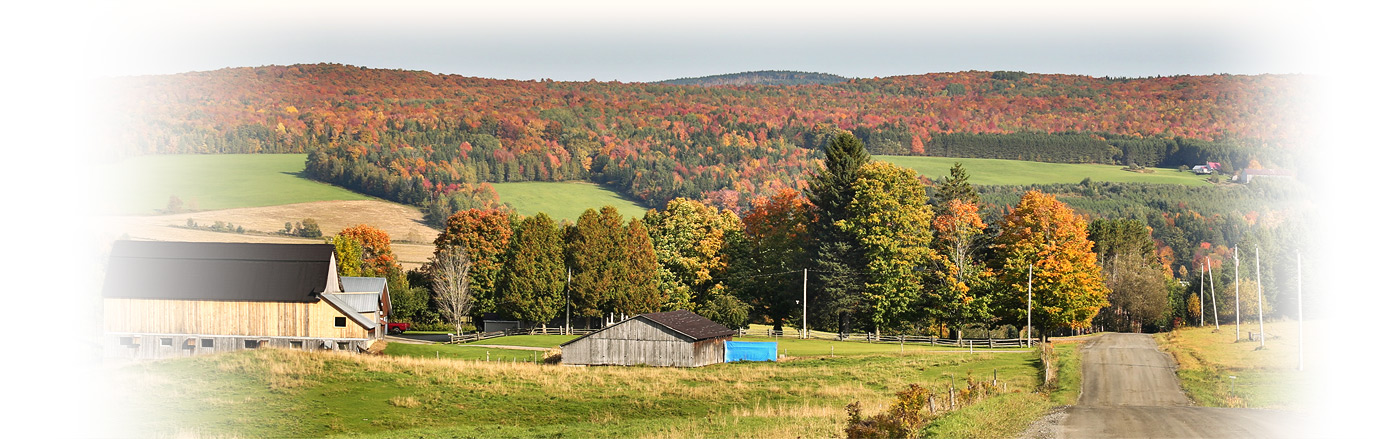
x,y
632,41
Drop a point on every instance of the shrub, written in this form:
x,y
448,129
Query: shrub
x,y
901,420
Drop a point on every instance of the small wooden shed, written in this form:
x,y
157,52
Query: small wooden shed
x,y
675,338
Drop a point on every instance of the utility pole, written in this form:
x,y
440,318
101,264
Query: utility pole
x,y
804,303
1214,312
1030,277
1202,296
569,280
1259,288
1236,254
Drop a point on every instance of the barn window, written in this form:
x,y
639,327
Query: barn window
x,y
340,322
251,344
342,345
167,341
296,344
131,341
206,342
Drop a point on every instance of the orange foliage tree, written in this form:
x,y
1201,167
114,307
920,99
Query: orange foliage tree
x,y
1068,288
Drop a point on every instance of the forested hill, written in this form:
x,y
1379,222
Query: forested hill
x,y
764,77
432,140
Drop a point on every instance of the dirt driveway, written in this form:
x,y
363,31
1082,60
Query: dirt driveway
x,y
1130,391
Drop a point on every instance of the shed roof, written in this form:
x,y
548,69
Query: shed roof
x,y
686,323
360,302
363,284
218,271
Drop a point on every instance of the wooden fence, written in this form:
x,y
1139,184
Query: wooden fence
x,y
867,337
476,336
929,340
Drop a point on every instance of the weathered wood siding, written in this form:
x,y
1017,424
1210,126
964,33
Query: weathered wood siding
x,y
640,341
266,319
710,351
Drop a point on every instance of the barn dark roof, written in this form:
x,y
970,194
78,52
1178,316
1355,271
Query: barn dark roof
x,y
218,271
689,324
683,322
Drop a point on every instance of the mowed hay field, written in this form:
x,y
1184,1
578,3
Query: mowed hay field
x,y
273,392
404,224
1016,172
143,185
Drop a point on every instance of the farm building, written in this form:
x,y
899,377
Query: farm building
x,y
369,296
165,299
674,338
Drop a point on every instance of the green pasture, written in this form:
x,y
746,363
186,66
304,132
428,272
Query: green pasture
x,y
563,200
144,185
412,393
1016,172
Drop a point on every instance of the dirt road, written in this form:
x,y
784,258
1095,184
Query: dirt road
x,y
1130,391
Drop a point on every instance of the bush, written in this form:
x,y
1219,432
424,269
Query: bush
x,y
901,420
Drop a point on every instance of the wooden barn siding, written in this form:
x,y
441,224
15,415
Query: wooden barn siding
x,y
641,342
269,319
709,351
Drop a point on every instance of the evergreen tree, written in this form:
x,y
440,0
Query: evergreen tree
x,y
639,281
837,258
954,187
532,283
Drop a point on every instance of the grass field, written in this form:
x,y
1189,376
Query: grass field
x,y
143,185
1265,378
250,393
563,200
1015,172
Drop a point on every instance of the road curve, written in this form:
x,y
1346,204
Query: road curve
x,y
1130,390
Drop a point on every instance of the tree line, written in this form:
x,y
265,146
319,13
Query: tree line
x,y
880,255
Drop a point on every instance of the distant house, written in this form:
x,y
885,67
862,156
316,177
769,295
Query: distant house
x,y
1249,175
164,299
675,338
1202,169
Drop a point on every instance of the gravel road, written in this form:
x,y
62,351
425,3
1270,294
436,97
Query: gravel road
x,y
1130,391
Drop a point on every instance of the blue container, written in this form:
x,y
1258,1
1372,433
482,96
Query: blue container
x,y
750,351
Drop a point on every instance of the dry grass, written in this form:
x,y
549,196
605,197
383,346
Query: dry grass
x,y
1264,378
404,401
425,396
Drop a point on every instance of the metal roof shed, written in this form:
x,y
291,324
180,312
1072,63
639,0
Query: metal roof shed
x,y
675,338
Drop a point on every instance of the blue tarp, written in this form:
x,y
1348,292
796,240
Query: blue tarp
x,y
750,351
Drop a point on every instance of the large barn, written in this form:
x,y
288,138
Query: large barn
x,y
675,338
166,299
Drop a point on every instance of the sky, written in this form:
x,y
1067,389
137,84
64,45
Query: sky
x,y
641,41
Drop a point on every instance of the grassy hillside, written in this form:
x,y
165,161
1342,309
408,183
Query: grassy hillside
x,y
1013,172
144,185
563,200
250,393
